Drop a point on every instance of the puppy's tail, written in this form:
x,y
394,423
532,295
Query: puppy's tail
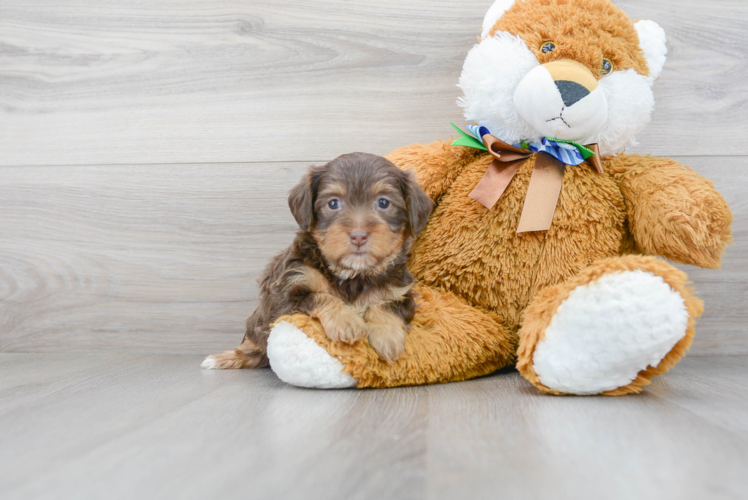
x,y
245,356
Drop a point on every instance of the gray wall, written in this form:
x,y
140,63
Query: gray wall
x,y
146,148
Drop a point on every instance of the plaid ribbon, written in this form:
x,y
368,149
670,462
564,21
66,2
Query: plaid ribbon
x,y
567,152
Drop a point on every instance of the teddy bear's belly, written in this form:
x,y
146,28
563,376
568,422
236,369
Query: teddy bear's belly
x,y
477,254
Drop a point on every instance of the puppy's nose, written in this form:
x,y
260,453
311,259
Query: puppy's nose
x,y
358,238
571,92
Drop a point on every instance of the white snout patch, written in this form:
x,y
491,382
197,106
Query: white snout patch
x,y
298,360
539,102
607,331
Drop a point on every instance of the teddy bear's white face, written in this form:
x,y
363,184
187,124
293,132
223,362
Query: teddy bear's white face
x,y
509,91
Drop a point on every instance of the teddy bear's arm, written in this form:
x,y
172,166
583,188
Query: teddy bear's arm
x,y
673,211
436,165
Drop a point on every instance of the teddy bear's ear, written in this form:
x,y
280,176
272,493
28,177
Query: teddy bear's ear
x,y
652,41
494,14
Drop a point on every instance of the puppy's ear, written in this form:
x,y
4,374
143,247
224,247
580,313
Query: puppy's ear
x,y
418,202
302,196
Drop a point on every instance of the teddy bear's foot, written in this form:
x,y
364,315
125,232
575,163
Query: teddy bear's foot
x,y
608,330
299,360
447,341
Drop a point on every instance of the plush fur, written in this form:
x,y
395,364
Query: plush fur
x,y
490,296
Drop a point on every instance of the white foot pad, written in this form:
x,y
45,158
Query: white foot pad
x,y
299,360
607,331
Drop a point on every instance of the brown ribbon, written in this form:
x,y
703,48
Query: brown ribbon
x,y
545,182
595,160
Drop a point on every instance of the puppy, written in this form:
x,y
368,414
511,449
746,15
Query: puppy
x,y
358,217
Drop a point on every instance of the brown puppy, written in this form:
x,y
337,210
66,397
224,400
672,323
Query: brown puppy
x,y
358,217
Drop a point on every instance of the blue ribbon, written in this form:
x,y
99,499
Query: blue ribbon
x,y
566,153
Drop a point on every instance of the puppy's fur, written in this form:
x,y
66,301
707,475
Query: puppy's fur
x,y
358,217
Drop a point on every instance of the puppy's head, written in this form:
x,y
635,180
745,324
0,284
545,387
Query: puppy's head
x,y
362,211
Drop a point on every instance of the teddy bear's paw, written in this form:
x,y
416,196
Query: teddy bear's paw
x,y
299,360
607,331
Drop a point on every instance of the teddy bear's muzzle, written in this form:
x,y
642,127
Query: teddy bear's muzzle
x,y
562,99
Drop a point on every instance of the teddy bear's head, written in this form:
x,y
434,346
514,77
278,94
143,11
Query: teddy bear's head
x,y
578,70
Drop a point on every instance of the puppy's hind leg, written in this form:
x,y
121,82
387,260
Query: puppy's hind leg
x,y
247,355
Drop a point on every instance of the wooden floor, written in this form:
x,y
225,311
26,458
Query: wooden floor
x,y
93,426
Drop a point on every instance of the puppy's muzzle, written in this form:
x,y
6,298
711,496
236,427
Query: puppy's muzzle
x,y
563,100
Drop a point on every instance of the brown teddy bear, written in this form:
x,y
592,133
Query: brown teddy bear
x,y
540,250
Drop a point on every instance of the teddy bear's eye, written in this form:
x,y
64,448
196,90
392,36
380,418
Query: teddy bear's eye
x,y
607,67
547,47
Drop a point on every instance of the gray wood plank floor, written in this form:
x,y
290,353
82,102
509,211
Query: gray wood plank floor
x,y
91,426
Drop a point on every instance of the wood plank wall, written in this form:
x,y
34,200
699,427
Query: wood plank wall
x,y
146,148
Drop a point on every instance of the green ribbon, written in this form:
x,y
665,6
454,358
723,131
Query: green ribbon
x,y
585,152
467,140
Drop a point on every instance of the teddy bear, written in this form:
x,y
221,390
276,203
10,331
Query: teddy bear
x,y
545,248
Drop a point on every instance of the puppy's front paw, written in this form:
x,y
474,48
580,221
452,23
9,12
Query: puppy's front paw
x,y
388,340
344,326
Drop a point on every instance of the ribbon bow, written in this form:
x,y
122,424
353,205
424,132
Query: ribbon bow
x,y
547,177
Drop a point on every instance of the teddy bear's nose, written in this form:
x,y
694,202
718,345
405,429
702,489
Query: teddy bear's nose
x,y
573,80
571,92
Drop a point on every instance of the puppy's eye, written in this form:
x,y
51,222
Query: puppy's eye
x,y
607,67
334,204
383,203
547,47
